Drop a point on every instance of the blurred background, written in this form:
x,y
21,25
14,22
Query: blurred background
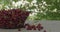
x,y
41,9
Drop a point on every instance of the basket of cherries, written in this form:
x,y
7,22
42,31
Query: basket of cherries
x,y
13,18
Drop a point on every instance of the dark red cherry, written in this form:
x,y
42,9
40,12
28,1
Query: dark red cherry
x,y
42,27
33,27
19,29
44,31
39,29
39,24
26,24
29,28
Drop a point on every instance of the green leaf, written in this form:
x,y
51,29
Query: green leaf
x,y
33,7
15,0
49,1
39,1
1,1
29,0
6,2
57,5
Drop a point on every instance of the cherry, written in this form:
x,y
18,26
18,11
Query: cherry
x,y
2,25
26,24
4,12
29,28
19,29
44,31
9,12
33,27
41,27
38,26
17,11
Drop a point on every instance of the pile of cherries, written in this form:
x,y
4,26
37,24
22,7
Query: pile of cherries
x,y
13,18
33,27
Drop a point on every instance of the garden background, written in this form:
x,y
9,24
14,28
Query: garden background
x,y
41,9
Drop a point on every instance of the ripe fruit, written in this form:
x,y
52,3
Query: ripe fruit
x,y
39,24
33,27
2,25
26,24
28,27
11,25
44,31
39,27
19,29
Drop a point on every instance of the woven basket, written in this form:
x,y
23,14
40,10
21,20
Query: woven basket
x,y
13,18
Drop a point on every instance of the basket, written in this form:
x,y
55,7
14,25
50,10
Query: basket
x,y
13,18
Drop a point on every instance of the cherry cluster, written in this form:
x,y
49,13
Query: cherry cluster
x,y
30,27
33,27
13,18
